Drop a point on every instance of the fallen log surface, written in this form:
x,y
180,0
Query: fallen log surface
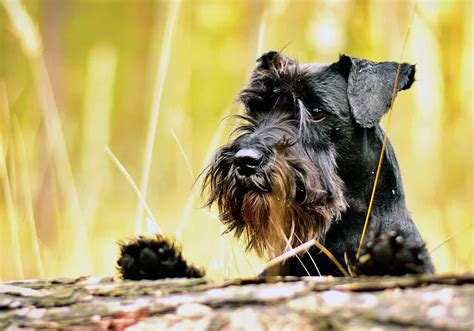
x,y
444,302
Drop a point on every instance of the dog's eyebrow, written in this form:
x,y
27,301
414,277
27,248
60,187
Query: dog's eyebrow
x,y
301,111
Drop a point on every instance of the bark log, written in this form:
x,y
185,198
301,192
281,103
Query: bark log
x,y
442,302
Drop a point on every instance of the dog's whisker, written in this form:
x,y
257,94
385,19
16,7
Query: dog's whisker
x,y
292,231
310,256
289,246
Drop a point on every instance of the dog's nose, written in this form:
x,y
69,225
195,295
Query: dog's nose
x,y
246,160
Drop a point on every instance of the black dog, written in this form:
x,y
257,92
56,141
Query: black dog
x,y
302,167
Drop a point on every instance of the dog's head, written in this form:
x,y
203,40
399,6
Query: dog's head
x,y
276,181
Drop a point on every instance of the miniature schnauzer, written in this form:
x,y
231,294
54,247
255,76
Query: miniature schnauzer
x,y
301,166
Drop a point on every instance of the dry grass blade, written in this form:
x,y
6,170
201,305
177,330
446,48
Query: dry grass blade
x,y
162,70
288,244
449,239
261,31
292,252
96,121
11,214
310,256
134,186
185,157
332,258
379,166
10,193
29,37
384,144
196,188
152,228
234,259
24,27
223,256
30,217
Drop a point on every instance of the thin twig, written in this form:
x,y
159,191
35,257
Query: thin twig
x,y
292,252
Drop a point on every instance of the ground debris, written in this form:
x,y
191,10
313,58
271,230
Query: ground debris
x,y
310,303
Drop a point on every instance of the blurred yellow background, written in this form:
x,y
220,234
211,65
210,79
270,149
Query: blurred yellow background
x,y
79,75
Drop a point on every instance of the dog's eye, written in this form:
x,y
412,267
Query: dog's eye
x,y
317,115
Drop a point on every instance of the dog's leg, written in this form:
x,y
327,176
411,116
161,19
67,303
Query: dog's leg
x,y
154,258
383,255
392,254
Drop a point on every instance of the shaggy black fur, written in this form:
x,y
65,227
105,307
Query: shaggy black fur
x,y
301,166
154,258
391,254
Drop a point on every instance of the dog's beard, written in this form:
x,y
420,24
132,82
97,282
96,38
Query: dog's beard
x,y
277,211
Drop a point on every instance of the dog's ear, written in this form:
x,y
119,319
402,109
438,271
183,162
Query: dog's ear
x,y
370,86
